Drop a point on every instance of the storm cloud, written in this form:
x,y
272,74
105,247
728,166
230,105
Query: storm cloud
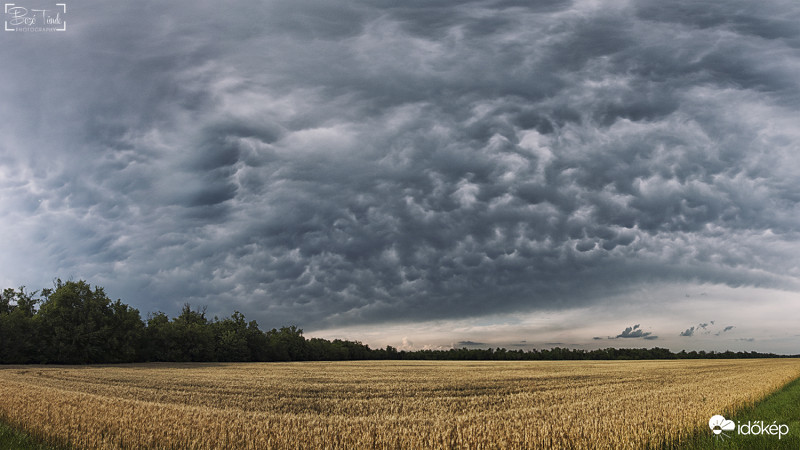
x,y
636,332
372,162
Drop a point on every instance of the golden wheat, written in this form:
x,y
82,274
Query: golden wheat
x,y
383,404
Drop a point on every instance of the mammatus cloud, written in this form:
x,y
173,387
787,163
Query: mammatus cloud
x,y
374,162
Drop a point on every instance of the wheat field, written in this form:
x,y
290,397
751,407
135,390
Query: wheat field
x,y
383,404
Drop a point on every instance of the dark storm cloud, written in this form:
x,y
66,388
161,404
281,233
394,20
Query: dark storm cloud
x,y
688,333
636,332
469,343
368,162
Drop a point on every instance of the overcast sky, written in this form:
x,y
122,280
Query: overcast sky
x,y
417,173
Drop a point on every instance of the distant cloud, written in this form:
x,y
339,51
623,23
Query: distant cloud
x,y
469,343
705,327
553,343
597,338
728,328
636,332
746,339
406,344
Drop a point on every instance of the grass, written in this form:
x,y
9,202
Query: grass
x,y
12,439
781,407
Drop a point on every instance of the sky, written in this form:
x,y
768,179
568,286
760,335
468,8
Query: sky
x,y
422,174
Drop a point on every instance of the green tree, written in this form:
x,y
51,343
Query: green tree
x,y
18,333
160,339
287,344
193,334
79,325
127,333
231,338
257,342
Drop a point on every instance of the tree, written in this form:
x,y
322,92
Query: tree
x,y
79,325
18,333
287,344
127,333
231,338
160,341
22,301
257,342
194,337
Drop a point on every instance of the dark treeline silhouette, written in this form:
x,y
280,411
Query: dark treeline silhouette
x,y
75,324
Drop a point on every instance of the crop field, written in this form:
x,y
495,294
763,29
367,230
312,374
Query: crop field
x,y
383,404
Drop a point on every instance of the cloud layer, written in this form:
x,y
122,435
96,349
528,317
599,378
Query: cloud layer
x,y
373,162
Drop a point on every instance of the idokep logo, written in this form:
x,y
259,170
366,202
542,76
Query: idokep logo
x,y
719,425
30,19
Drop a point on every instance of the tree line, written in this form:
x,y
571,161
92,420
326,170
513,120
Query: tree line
x,y
75,324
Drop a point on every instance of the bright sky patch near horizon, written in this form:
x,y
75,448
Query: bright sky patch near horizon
x,y
424,173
